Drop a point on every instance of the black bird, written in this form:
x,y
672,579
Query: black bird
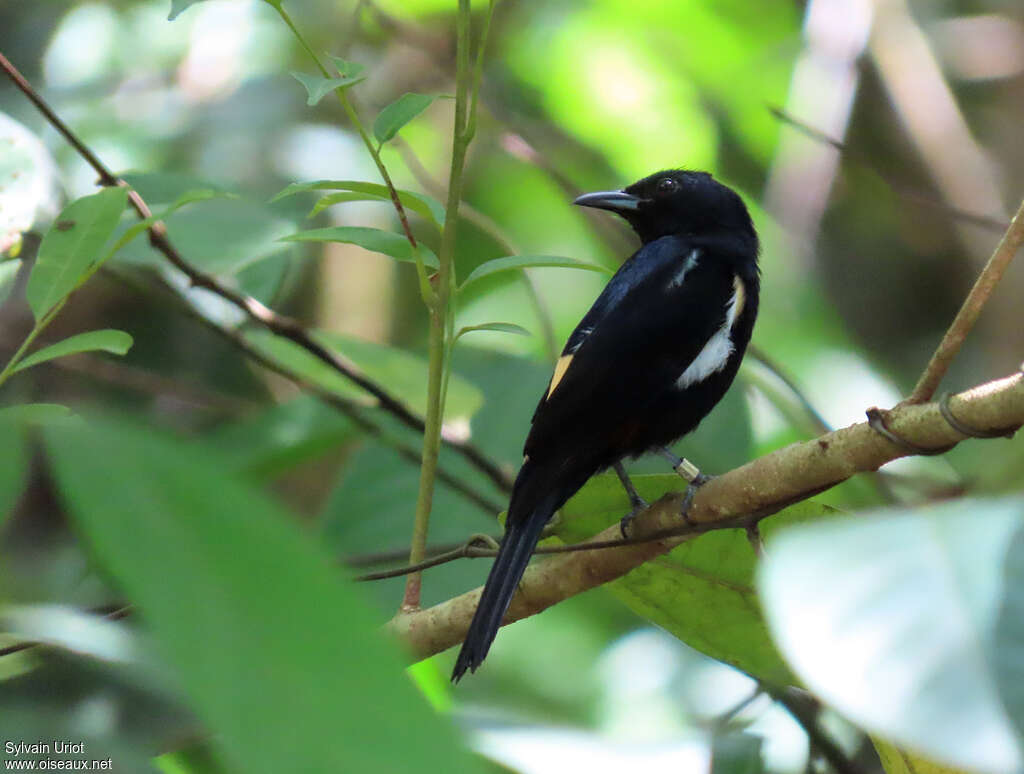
x,y
655,353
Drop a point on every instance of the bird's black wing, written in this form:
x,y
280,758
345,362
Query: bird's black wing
x,y
643,332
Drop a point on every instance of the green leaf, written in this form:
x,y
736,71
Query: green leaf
x,y
318,87
402,373
179,6
423,205
340,198
34,413
345,68
107,340
897,761
222,237
376,477
288,652
400,112
703,591
267,443
512,262
373,239
71,246
501,327
167,187
736,753
894,620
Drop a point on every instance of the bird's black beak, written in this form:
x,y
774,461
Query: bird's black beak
x,y
616,201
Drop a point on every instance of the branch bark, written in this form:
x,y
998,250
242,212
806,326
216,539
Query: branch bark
x,y
753,491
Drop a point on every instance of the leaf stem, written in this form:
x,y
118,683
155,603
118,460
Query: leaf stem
x,y
38,328
441,314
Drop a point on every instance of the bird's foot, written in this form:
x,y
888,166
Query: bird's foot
x,y
636,502
696,483
639,505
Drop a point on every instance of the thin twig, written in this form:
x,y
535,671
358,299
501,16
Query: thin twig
x,y
468,549
256,311
971,310
398,554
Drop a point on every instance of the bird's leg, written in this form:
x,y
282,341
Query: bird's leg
x,y
691,473
635,500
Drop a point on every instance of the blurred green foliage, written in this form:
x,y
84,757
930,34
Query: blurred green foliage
x,y
255,655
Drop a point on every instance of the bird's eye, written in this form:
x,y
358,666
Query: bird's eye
x,y
667,186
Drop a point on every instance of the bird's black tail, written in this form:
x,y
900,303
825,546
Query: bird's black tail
x,y
526,519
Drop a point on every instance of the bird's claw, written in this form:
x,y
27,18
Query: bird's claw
x,y
691,491
639,505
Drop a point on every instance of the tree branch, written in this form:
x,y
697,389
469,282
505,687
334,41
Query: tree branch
x,y
754,490
971,310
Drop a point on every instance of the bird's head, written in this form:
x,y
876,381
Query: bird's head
x,y
676,201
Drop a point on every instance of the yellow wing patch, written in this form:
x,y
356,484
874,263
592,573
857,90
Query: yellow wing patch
x,y
740,292
560,368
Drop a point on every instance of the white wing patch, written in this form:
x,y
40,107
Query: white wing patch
x,y
688,264
716,352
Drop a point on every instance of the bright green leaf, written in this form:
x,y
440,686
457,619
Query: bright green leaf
x,y
340,198
893,619
897,761
526,262
345,68
373,239
107,340
501,327
71,246
276,652
401,373
423,205
703,591
318,87
398,114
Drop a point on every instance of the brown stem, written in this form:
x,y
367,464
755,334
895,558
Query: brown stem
x,y
971,310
